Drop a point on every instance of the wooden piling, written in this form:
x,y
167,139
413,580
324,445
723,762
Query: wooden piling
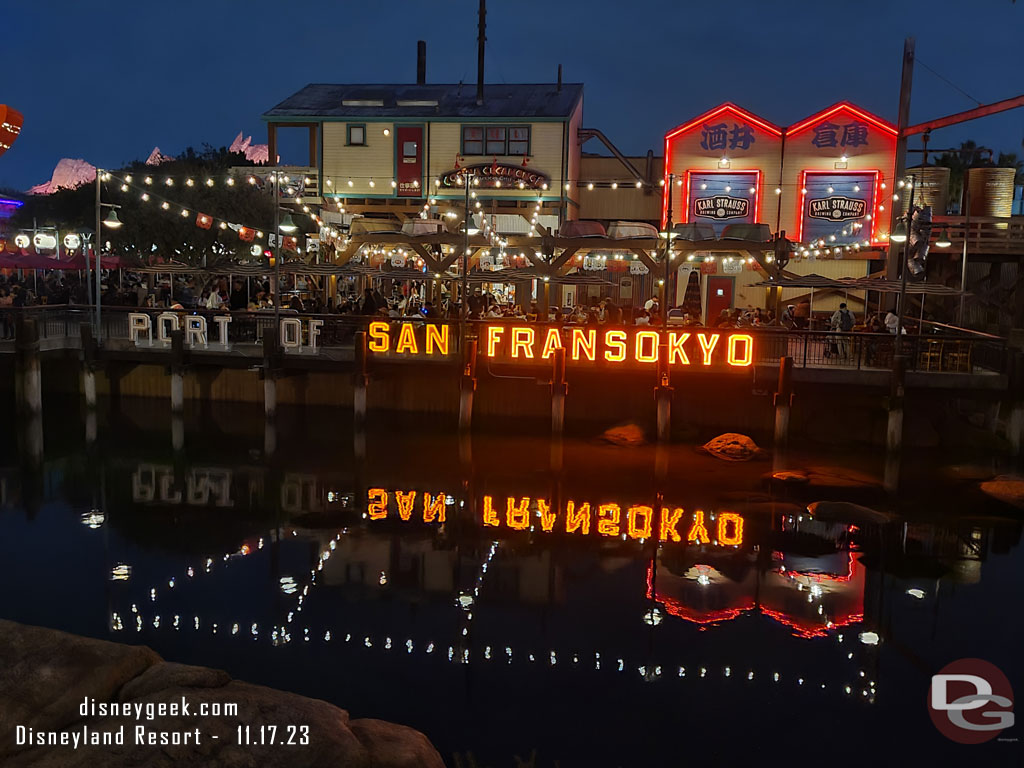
x,y
663,394
467,386
559,390
783,404
29,376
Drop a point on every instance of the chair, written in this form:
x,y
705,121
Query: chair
x,y
930,356
957,357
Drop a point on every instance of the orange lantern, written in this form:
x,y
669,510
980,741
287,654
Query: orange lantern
x,y
10,126
246,234
204,221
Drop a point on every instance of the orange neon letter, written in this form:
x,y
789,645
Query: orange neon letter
x,y
552,342
638,522
377,507
675,348
748,349
489,517
493,339
698,532
437,338
380,339
547,517
406,340
518,516
433,508
707,345
583,341
405,503
577,519
608,516
649,355
615,346
734,539
522,339
667,527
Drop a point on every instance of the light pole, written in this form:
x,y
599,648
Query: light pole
x,y
287,225
113,223
904,238
669,235
464,283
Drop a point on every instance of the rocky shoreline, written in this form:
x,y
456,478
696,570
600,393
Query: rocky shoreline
x,y
48,678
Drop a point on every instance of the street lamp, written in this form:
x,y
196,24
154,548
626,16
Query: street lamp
x,y
943,240
669,236
287,224
112,221
900,235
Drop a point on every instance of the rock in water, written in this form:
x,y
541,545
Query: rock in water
x,y
732,446
1008,489
625,434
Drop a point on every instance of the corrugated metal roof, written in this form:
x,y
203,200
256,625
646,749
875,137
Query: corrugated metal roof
x,y
458,100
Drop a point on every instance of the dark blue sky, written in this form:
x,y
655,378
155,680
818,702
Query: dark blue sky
x,y
106,80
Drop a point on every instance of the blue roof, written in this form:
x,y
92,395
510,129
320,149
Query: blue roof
x,y
318,100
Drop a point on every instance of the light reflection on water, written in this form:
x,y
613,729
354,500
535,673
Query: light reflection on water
x,y
598,612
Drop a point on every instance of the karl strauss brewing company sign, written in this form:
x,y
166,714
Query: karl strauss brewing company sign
x,y
836,208
721,207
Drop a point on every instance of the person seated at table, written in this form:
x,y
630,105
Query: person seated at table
x,y
642,317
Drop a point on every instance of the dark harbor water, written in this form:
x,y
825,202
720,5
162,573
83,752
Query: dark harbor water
x,y
515,605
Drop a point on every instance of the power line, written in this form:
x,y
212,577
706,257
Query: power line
x,y
948,82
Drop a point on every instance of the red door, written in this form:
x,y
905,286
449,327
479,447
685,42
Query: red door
x,y
409,160
719,297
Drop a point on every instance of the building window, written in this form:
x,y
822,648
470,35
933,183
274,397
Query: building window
x,y
472,140
357,135
496,138
519,140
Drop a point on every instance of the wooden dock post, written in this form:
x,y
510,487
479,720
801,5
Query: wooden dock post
x,y
271,362
177,372
361,380
894,429
663,394
559,390
467,386
29,377
783,404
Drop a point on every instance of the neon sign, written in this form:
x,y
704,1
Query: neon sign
x,y
578,518
537,344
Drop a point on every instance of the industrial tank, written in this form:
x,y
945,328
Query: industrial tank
x,y
990,191
931,187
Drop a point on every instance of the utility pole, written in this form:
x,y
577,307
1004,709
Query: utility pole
x,y
902,122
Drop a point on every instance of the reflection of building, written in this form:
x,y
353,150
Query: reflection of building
x,y
811,593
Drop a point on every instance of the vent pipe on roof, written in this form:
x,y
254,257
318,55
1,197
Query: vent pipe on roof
x,y
421,62
481,39
559,77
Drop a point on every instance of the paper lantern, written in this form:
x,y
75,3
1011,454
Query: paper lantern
x,y
617,265
709,267
290,243
203,221
10,126
246,234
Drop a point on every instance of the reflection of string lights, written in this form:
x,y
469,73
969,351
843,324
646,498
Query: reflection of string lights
x,y
280,636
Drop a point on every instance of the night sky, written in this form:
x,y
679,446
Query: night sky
x,y
108,80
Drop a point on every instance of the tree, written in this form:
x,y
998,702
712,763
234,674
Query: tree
x,y
149,231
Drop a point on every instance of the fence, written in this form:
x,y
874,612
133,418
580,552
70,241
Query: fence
x,y
943,350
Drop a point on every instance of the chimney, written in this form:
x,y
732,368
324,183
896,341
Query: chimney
x,y
481,39
421,62
559,78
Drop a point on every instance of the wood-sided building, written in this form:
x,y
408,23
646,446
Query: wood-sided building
x,y
388,150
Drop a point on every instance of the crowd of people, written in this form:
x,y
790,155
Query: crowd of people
x,y
406,299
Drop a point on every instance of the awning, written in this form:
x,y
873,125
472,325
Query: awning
x,y
859,284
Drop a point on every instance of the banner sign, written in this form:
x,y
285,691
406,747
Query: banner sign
x,y
837,207
720,199
493,174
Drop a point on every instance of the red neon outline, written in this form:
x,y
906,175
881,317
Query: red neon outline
x,y
803,199
728,106
842,106
757,189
